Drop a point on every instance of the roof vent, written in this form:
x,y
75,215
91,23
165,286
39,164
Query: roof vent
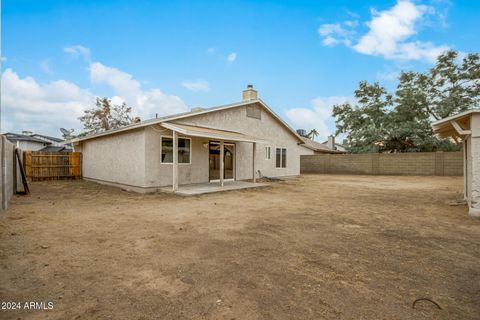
x,y
249,93
197,109
27,133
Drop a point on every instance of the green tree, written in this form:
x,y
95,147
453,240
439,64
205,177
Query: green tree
x,y
105,116
402,122
364,122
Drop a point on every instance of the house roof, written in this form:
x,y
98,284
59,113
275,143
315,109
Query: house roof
x,y
199,131
454,126
192,113
317,146
22,137
47,137
56,149
336,143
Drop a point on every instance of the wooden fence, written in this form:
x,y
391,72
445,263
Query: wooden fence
x,y
52,165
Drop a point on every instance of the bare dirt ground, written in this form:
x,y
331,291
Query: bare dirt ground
x,y
313,247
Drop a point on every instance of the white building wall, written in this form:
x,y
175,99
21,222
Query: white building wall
x,y
30,145
116,159
473,180
160,174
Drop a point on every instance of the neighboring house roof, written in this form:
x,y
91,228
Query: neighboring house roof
x,y
336,144
317,146
21,137
56,149
192,113
47,137
453,125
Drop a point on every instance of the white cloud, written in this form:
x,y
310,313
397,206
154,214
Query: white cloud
x,y
145,103
232,57
318,117
197,85
389,33
78,51
211,50
44,108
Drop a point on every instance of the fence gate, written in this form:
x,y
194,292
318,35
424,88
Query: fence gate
x,y
52,165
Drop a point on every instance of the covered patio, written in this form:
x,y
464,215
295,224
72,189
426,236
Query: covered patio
x,y
211,187
222,137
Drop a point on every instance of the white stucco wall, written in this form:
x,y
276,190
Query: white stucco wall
x,y
473,165
305,151
118,158
30,145
160,174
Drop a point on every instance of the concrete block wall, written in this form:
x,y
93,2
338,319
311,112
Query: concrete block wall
x,y
418,163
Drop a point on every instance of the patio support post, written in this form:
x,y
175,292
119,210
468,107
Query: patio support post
x,y
253,162
175,162
222,164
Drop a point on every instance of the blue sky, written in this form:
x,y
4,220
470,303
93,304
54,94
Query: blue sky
x,y
169,56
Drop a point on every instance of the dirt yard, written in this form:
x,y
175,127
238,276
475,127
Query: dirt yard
x,y
314,247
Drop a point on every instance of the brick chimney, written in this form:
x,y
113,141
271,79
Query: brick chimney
x,y
249,94
331,142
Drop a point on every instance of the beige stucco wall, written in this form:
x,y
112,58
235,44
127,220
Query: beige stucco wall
x,y
268,128
160,174
132,159
473,166
304,151
118,158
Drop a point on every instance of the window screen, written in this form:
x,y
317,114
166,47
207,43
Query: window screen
x,y
267,153
183,150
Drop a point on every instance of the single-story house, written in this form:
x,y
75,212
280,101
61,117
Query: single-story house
x,y
64,148
466,126
239,141
54,141
314,147
331,144
26,141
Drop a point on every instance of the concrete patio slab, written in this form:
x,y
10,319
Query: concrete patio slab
x,y
210,187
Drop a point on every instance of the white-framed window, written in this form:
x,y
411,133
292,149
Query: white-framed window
x,y
184,150
280,157
268,153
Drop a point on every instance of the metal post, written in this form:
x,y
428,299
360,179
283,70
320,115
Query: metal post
x,y
222,164
175,162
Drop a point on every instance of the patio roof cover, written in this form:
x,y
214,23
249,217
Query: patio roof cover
x,y
205,132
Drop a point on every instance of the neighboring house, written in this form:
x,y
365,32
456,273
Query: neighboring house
x,y
26,142
144,156
64,148
466,126
331,144
56,142
313,147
